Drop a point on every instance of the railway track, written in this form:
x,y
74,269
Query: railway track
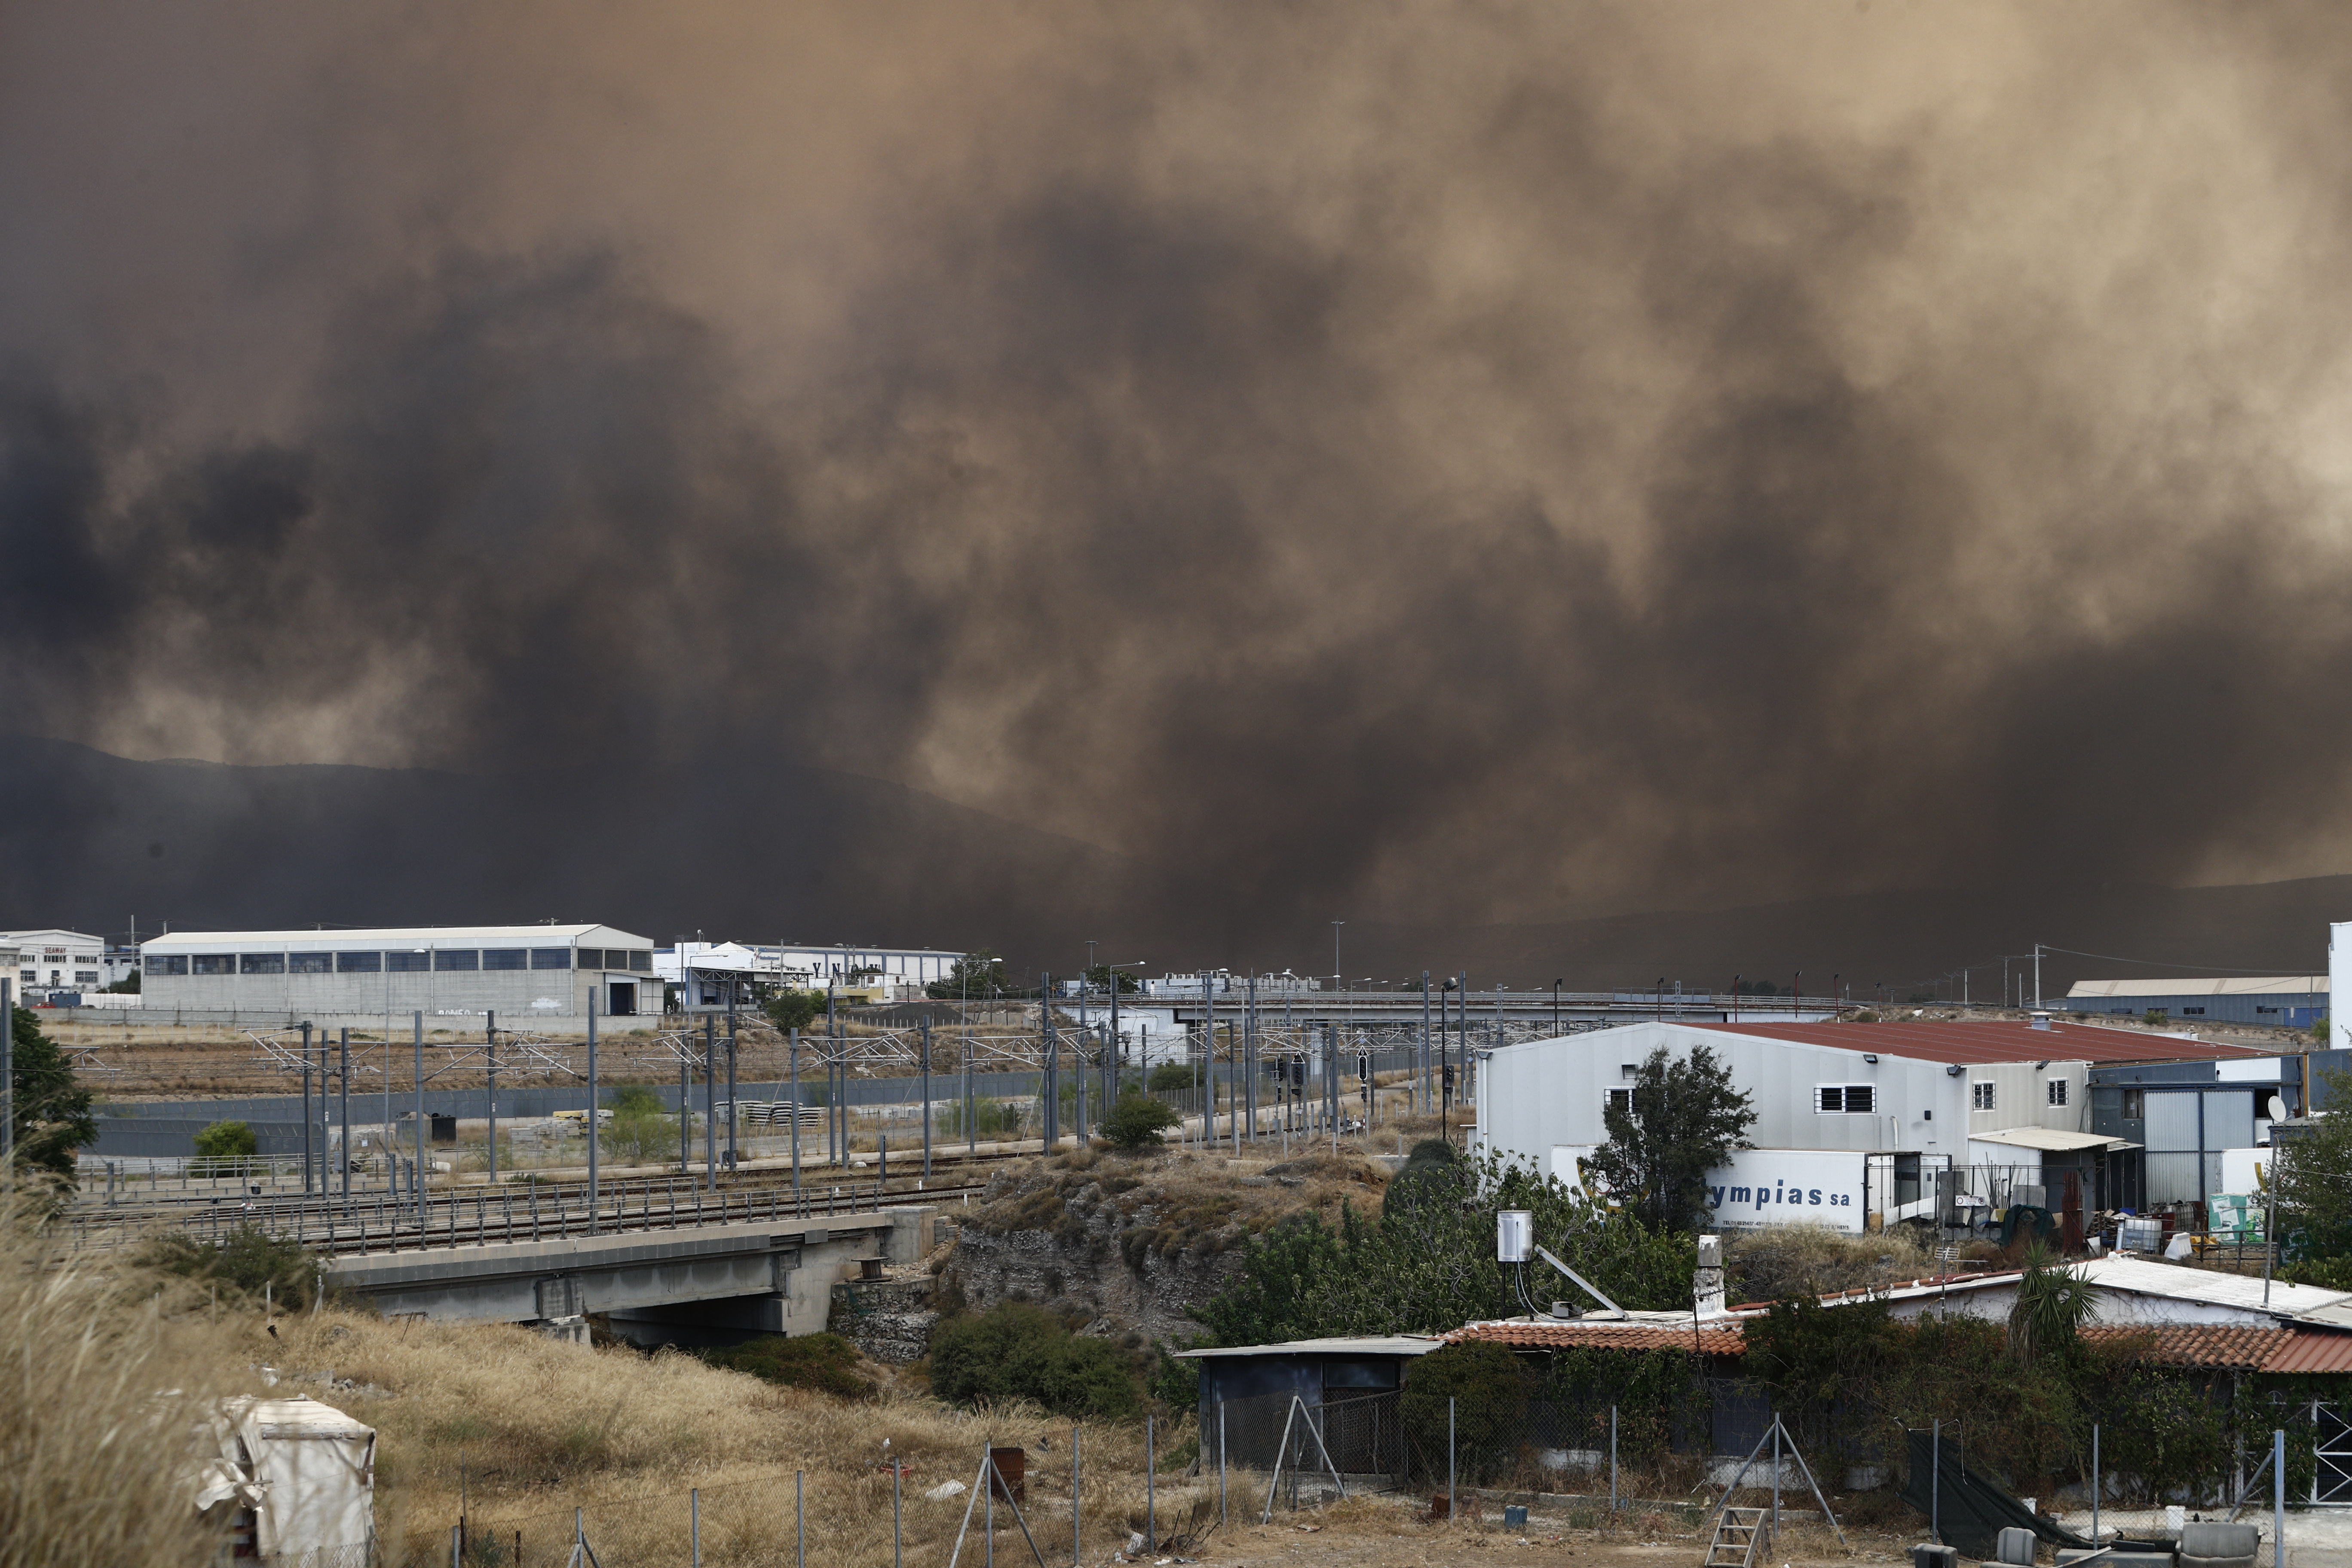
x,y
517,1211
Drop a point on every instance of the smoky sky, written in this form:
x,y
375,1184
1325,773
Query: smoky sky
x,y
1473,461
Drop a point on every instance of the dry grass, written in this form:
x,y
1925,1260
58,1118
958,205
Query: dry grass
x,y
519,1430
106,1377
1785,1261
1170,1200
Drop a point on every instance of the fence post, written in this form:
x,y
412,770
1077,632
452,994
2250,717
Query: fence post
x,y
1151,1493
453,1542
1077,1473
2278,1497
2094,1484
897,1540
1220,1461
694,1522
1452,1481
1936,1482
800,1515
1613,1462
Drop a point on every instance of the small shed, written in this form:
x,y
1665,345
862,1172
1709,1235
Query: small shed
x,y
1348,1386
298,1478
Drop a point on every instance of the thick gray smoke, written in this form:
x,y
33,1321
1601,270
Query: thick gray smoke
x,y
1469,461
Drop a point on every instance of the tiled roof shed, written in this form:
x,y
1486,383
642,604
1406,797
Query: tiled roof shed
x,y
2222,1346
1711,1340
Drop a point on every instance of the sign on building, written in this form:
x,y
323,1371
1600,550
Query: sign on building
x,y
1760,1186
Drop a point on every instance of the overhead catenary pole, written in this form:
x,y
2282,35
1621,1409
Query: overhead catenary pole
x,y
8,1076
1423,1077
491,1034
343,1094
1209,1053
1249,1054
596,1131
1052,1129
308,1160
792,1055
927,1100
417,1022
731,1076
710,1103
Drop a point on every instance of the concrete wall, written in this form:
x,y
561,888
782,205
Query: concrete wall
x,y
521,994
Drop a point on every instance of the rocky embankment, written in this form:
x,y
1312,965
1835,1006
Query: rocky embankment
x,y
1126,1245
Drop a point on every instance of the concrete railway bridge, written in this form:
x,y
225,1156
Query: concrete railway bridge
x,y
663,1261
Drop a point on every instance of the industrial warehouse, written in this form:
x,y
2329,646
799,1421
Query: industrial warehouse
x,y
551,976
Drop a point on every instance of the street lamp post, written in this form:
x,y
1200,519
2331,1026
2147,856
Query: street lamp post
x,y
1555,1007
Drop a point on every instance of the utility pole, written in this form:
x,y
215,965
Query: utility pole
x,y
1337,984
343,1080
595,1132
2037,975
421,1167
1423,1074
491,1034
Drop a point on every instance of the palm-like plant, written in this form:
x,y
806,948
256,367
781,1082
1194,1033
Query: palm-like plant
x,y
2053,1302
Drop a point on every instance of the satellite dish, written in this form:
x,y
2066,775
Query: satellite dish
x,y
2277,1109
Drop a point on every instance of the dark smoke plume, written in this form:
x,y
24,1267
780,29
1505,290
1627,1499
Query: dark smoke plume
x,y
1465,462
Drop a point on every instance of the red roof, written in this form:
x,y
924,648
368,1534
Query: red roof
x,y
2229,1345
2200,1344
2304,1352
1985,1040
1603,1336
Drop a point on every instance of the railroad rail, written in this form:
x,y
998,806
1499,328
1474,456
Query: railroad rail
x,y
382,1221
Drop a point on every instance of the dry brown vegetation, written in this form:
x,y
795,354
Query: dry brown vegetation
x,y
1170,1200
109,1368
1784,1261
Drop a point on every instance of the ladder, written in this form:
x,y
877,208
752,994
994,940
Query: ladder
x,y
1736,1532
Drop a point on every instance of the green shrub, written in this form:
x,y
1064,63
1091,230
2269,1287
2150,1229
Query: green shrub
x,y
826,1362
790,1010
227,1141
1483,1389
242,1263
1173,1075
1020,1351
640,1129
1136,1122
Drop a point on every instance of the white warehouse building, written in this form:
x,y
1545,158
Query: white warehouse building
x,y
553,974
1904,1101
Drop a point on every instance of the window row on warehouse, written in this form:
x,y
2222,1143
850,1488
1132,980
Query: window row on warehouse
x,y
401,961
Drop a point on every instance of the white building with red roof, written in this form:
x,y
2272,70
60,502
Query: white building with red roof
x,y
1897,1105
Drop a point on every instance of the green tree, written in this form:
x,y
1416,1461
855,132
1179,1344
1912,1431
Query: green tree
x,y
1137,1121
978,974
1428,1263
1173,1075
1103,975
790,1010
2313,1176
1683,1119
227,1141
52,1117
2052,1304
126,986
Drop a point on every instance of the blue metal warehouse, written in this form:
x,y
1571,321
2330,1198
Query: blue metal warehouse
x,y
2291,1001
